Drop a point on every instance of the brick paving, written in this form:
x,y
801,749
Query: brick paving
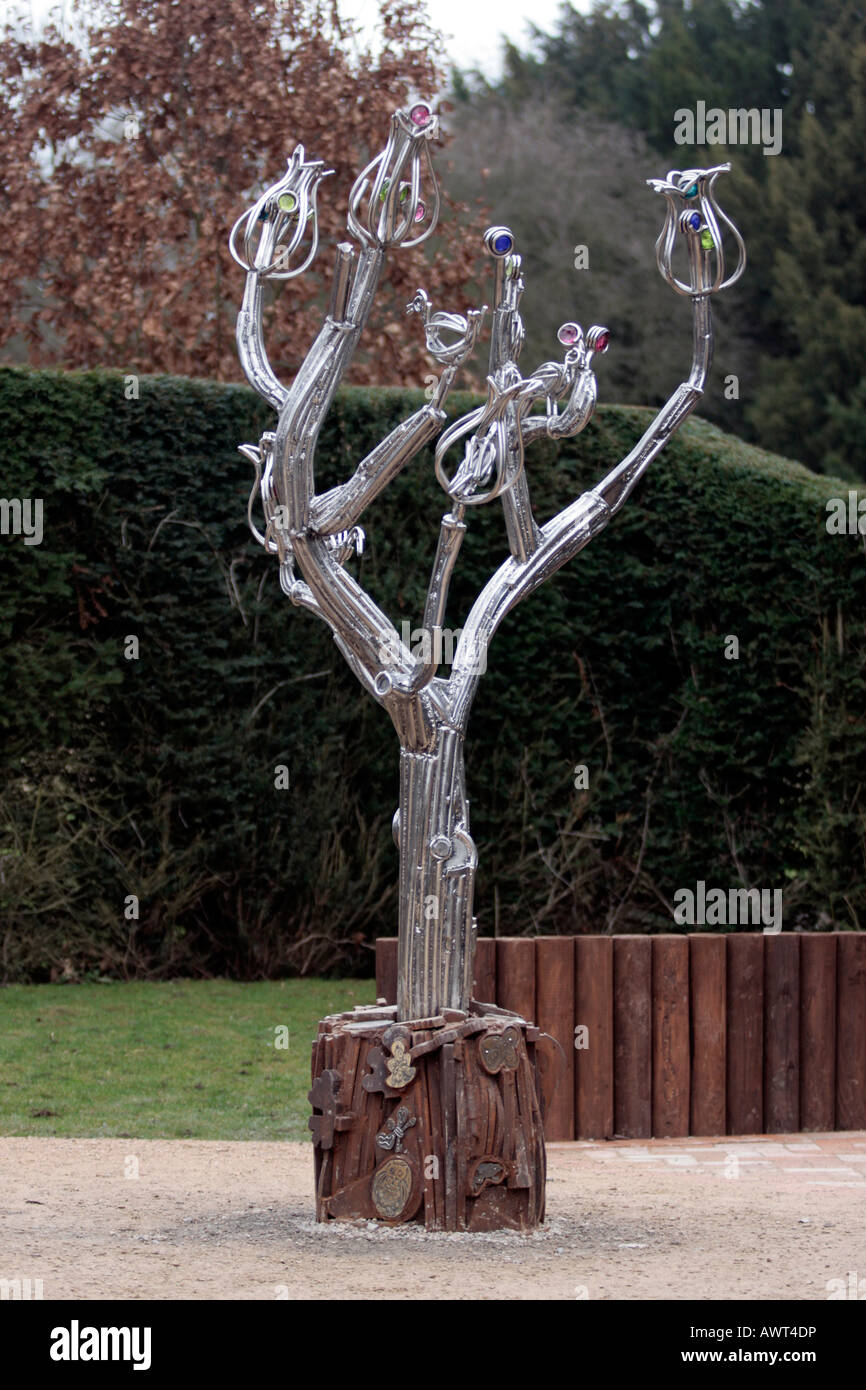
x,y
836,1159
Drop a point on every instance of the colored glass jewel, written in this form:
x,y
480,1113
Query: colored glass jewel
x,y
691,192
601,342
568,334
288,202
420,212
502,244
693,220
707,240
420,114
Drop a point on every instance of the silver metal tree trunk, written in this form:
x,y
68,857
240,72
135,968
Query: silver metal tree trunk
x,y
437,879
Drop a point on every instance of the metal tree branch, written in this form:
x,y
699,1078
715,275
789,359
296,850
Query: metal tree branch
x,y
395,202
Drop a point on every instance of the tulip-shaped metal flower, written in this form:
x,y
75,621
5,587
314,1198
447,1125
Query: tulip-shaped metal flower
x,y
405,194
693,211
319,532
281,221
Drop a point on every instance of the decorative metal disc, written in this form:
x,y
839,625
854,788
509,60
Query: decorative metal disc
x,y
487,1171
392,1188
498,1050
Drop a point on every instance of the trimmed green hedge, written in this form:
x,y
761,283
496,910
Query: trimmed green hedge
x,y
155,777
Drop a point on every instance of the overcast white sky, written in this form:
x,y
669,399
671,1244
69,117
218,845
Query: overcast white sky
x,y
472,28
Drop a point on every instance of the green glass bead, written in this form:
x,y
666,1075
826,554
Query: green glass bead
x,y
288,202
707,240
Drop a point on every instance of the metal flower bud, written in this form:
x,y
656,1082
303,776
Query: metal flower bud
x,y
450,351
395,204
693,211
281,222
494,450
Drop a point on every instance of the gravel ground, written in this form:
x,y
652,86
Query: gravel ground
x,y
733,1219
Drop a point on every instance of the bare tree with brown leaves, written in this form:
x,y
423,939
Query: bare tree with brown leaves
x,y
124,152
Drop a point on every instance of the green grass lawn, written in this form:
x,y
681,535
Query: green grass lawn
x,y
191,1059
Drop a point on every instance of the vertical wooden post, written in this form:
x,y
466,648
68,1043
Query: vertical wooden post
x,y
434,1214
485,970
707,981
554,975
670,1035
632,998
851,1031
448,1100
515,974
818,1030
593,1064
386,969
745,1028
781,1033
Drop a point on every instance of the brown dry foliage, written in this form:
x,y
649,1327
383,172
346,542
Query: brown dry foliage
x,y
116,247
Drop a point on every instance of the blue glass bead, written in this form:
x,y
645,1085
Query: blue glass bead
x,y
502,244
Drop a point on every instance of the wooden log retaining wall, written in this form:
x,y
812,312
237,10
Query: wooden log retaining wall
x,y
702,1034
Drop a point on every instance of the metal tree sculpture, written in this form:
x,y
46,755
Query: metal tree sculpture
x,y
394,202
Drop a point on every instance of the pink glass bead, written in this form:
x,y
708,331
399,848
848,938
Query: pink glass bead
x,y
420,114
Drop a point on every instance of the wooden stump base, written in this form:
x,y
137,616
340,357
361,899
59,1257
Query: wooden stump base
x,y
436,1120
